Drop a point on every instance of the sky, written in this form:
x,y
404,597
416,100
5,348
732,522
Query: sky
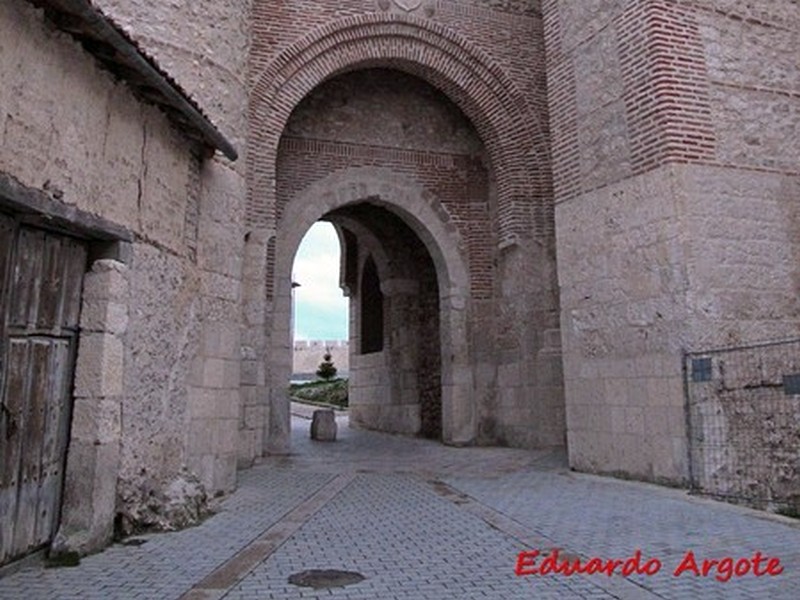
x,y
320,308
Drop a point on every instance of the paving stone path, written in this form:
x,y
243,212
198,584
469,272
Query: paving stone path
x,y
422,521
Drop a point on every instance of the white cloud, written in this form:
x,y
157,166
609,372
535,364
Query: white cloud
x,y
320,307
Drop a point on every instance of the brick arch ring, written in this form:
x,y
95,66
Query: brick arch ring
x,y
515,140
424,214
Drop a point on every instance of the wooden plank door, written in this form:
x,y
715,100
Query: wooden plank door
x,y
42,279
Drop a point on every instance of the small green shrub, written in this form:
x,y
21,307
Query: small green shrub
x,y
326,370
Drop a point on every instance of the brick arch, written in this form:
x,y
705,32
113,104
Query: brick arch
x,y
515,140
425,215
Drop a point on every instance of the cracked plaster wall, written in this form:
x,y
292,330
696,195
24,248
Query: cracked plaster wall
x,y
69,129
204,47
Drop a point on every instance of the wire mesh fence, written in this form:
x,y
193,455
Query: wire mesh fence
x,y
744,423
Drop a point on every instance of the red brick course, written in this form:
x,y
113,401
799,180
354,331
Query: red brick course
x,y
666,86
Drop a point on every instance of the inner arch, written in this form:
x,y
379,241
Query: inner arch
x,y
395,334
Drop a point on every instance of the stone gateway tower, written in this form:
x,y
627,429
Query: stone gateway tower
x,y
553,215
426,144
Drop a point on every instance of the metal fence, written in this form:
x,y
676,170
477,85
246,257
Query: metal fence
x,y
744,423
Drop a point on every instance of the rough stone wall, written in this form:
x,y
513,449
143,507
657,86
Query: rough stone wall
x,y
71,130
66,142
742,218
744,438
674,174
44,121
203,45
204,48
429,370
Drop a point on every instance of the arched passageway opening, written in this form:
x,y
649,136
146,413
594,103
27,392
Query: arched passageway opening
x,y
392,164
395,332
370,310
410,116
394,358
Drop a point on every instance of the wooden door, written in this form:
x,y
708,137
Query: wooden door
x,y
41,275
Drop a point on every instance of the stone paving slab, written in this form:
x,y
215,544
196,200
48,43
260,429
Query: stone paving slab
x,y
423,521
409,543
603,517
228,574
168,564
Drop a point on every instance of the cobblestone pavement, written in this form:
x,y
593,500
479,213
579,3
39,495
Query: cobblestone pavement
x,y
422,521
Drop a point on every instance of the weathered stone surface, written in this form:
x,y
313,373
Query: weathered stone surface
x,y
323,425
655,259
203,45
162,506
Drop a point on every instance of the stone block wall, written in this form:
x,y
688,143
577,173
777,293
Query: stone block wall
x,y
370,395
97,411
204,47
674,174
70,130
742,217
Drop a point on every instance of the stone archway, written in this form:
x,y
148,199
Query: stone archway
x,y
510,223
515,139
424,215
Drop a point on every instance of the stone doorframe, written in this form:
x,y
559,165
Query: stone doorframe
x,y
88,502
423,213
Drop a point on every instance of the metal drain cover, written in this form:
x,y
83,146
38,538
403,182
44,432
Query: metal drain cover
x,y
325,578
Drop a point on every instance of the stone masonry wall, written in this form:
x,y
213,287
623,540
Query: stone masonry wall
x,y
204,47
69,129
674,177
742,218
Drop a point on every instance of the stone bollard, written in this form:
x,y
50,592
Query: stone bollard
x,y
323,425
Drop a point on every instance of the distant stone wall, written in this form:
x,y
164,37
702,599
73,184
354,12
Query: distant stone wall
x,y
308,354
